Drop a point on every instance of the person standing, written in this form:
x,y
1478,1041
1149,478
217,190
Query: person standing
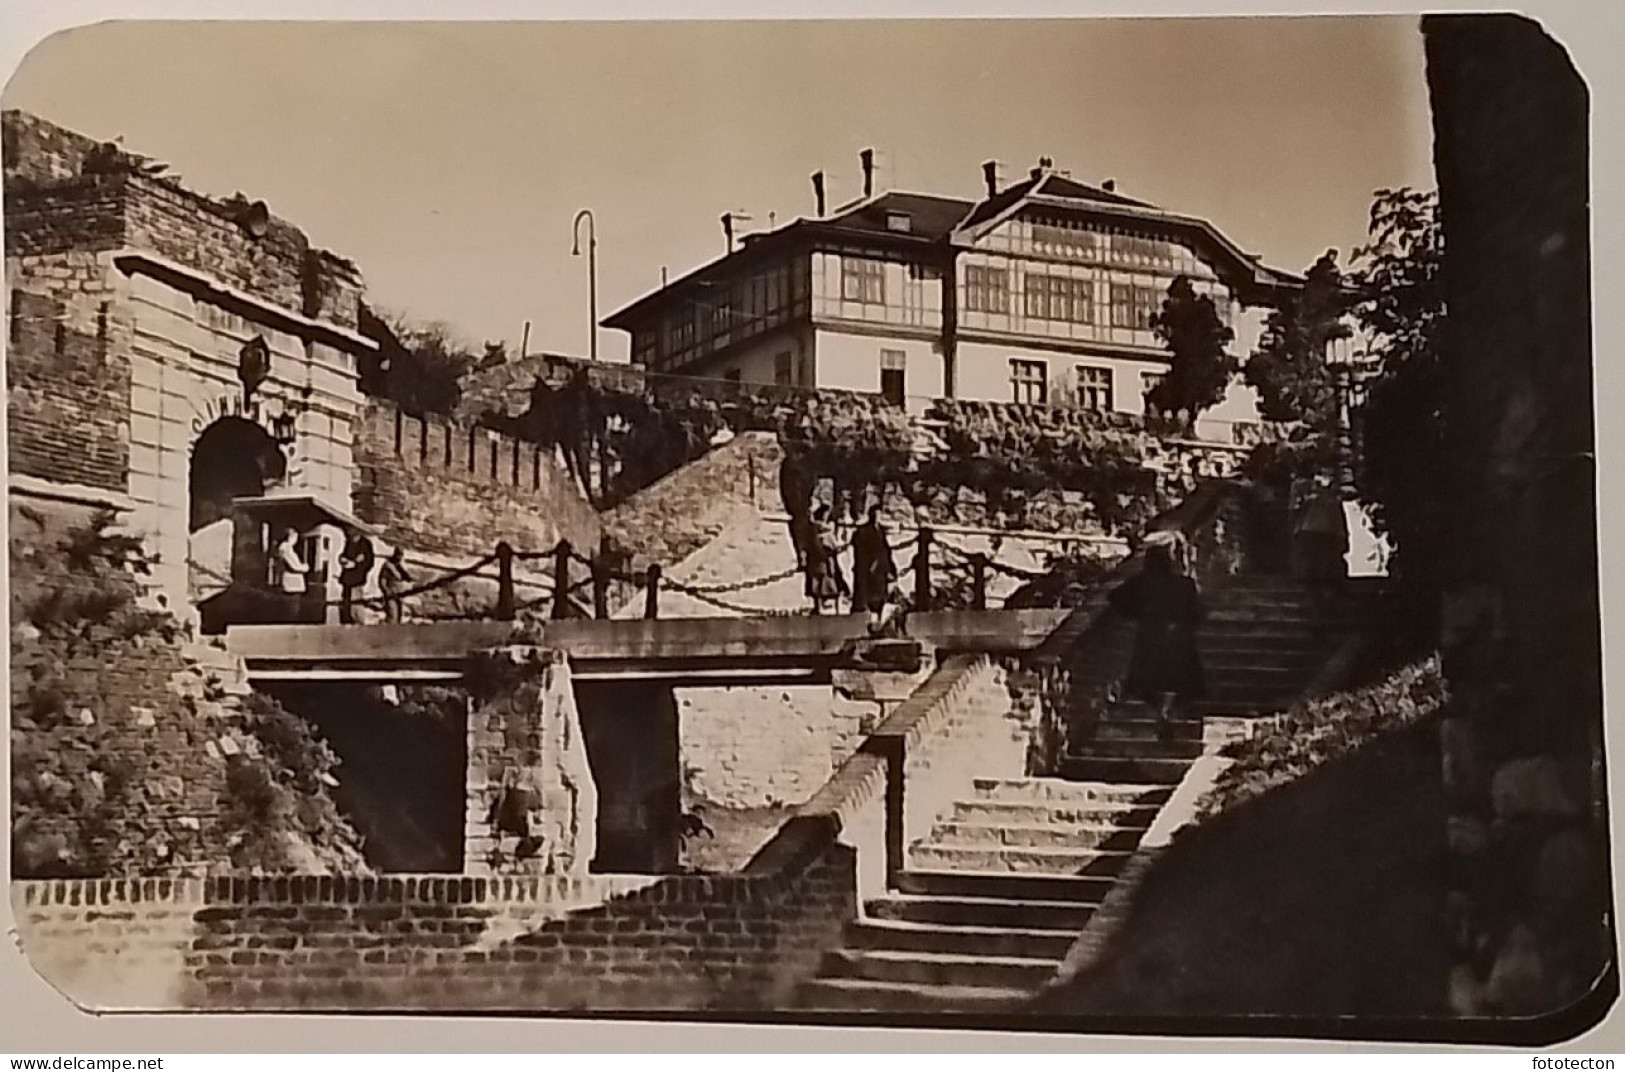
x,y
825,584
392,581
795,492
1320,531
355,567
290,569
1165,670
873,569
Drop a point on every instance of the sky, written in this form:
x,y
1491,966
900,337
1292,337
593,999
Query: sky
x,y
449,159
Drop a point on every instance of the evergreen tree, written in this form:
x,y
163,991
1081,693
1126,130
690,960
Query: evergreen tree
x,y
1200,363
1289,368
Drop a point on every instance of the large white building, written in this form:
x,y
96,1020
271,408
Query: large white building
x,y
1042,292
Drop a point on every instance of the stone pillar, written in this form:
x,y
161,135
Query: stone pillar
x,y
1527,909
532,804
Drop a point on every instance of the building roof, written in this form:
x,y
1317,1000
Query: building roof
x,y
934,220
930,217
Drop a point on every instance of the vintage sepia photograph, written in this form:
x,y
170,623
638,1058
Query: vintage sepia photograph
x,y
1075,526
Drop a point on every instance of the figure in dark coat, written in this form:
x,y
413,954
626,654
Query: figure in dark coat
x,y
873,570
1166,667
796,492
355,566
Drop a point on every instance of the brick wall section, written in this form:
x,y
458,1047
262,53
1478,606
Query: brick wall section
x,y
63,191
736,942
112,944
38,151
68,396
420,482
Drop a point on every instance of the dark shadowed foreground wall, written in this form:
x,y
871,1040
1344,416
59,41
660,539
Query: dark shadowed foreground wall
x,y
1529,909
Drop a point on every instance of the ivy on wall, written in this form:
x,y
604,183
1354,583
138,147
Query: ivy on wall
x,y
1038,466
128,758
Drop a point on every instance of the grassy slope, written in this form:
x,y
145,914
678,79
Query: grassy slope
x,y
1321,898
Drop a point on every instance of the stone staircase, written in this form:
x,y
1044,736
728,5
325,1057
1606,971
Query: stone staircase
x,y
992,899
997,892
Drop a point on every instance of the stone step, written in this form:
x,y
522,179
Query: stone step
x,y
1070,791
1137,748
1067,916
1074,889
969,941
1105,836
1037,813
868,995
1041,861
1146,772
1237,658
939,969
1135,722
1270,676
1295,650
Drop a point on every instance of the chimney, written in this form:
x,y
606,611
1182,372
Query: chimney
x,y
818,192
1046,165
728,229
1110,186
990,175
867,158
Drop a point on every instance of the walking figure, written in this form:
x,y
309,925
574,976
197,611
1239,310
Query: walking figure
x,y
1166,668
392,581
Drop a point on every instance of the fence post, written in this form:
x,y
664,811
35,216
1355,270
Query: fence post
x,y
651,592
505,597
561,579
978,581
600,581
922,571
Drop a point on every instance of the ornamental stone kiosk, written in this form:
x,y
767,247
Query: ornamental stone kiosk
x,y
254,597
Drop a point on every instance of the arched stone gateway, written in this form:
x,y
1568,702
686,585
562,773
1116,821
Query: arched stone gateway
x,y
233,457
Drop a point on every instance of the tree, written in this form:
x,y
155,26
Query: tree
x,y
1401,461
1289,368
419,367
1200,363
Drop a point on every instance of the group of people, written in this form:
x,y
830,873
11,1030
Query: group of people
x,y
818,548
290,573
818,554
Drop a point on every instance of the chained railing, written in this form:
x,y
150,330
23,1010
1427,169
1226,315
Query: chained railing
x,y
939,575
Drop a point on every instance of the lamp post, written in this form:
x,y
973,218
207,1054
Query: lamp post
x,y
592,272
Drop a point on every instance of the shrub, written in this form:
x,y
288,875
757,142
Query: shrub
x,y
1314,732
102,785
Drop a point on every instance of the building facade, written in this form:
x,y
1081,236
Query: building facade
x,y
170,353
1041,293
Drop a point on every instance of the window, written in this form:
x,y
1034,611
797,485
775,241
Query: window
x,y
680,334
863,280
987,290
1095,388
1029,382
899,221
1054,297
784,370
1133,306
893,376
